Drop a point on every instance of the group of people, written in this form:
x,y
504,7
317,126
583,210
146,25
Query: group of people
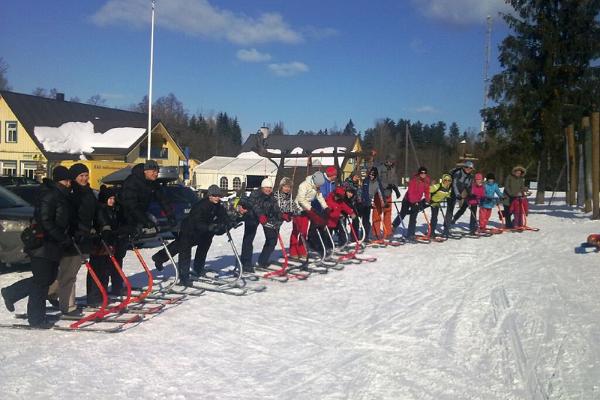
x,y
71,224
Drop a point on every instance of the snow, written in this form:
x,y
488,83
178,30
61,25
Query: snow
x,y
513,316
79,137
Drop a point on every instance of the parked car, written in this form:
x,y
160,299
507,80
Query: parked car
x,y
181,197
28,192
17,180
15,216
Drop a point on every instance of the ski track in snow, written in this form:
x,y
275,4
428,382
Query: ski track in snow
x,y
513,316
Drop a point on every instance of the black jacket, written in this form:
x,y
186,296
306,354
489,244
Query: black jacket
x,y
84,204
202,215
136,195
52,214
259,204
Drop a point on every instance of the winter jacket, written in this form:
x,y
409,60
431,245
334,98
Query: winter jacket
x,y
491,189
476,194
202,215
350,185
461,182
366,196
337,207
136,195
438,193
327,187
389,180
307,192
418,189
52,215
84,203
257,204
286,204
513,187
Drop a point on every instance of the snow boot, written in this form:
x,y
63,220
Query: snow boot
x,y
158,264
10,306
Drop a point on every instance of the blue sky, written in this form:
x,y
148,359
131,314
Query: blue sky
x,y
311,64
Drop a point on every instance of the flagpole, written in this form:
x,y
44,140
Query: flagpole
x,y
150,83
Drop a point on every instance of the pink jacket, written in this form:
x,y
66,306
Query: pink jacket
x,y
477,194
337,207
418,189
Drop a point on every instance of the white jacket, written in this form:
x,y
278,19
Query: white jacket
x,y
307,192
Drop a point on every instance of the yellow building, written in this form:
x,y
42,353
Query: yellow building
x,y
37,133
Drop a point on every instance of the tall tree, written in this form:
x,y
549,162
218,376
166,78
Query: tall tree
x,y
546,72
96,100
349,129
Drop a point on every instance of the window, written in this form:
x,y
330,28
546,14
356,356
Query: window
x,y
237,183
157,153
224,183
9,168
11,132
28,169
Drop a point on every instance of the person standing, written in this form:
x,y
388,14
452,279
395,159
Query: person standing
x,y
207,218
489,201
352,184
462,179
83,204
372,197
438,192
389,181
514,190
476,195
52,220
262,210
415,199
327,187
308,191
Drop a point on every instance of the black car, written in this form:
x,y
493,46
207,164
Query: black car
x,y
15,216
17,180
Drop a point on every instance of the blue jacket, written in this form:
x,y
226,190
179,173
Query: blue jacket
x,y
367,200
325,189
491,189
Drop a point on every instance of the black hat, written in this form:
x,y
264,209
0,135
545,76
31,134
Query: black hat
x,y
77,169
214,190
105,193
151,164
422,169
490,176
60,173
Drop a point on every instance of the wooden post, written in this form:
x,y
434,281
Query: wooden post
x,y
572,164
585,126
596,165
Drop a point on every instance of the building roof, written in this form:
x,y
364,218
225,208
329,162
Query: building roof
x,y
32,111
232,165
309,143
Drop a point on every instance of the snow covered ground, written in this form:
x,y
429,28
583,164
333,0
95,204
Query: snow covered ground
x,y
513,316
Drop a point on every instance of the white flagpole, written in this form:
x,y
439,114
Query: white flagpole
x,y
150,84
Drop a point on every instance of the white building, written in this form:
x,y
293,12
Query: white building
x,y
229,173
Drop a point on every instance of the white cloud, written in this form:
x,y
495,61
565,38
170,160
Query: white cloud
x,y
252,55
460,12
199,18
426,110
288,69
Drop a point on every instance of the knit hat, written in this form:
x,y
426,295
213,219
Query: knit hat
x,y
318,178
479,176
60,173
77,169
151,165
105,193
490,176
422,169
285,181
447,177
340,191
469,164
266,183
519,168
214,190
330,171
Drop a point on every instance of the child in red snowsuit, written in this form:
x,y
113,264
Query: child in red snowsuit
x,y
336,201
473,199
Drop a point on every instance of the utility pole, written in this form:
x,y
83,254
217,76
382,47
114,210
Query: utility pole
x,y
486,67
150,83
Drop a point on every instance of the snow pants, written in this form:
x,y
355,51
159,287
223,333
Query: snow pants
x,y
271,234
102,265
365,214
299,227
484,217
183,246
434,218
36,287
64,285
378,217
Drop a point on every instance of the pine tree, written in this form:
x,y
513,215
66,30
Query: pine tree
x,y
349,129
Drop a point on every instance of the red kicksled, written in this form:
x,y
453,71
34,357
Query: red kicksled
x,y
353,255
284,270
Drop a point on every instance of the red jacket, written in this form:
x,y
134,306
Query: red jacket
x,y
337,207
418,189
477,194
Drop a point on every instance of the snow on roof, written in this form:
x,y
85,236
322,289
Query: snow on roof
x,y
249,154
215,163
79,137
246,166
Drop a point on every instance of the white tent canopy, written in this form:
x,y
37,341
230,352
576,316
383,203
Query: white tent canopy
x,y
230,172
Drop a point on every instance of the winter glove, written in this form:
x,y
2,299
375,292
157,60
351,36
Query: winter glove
x,y
286,217
220,229
262,219
149,224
